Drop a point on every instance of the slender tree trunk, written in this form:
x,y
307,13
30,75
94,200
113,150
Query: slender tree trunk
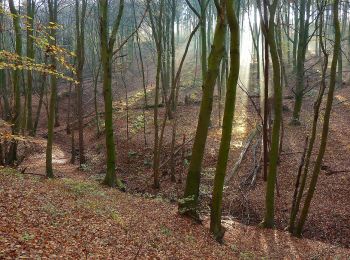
x,y
221,167
325,130
3,88
16,119
188,205
80,29
107,46
302,48
266,95
41,99
272,174
30,54
53,6
158,35
317,105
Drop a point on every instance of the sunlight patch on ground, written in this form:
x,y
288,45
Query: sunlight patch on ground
x,y
59,157
236,144
343,100
133,98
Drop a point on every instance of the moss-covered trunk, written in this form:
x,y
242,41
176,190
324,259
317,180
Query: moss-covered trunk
x,y
221,166
317,105
16,119
304,11
188,205
272,173
107,45
327,115
53,6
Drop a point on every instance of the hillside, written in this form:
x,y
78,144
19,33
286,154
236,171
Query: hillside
x,y
75,218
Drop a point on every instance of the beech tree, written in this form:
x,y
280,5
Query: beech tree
x,y
30,54
188,205
230,102
16,117
326,119
108,39
80,60
270,35
53,12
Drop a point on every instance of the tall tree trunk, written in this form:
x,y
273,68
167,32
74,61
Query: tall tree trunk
x,y
325,130
221,166
107,46
30,54
188,205
3,88
272,174
157,35
80,41
317,105
301,52
53,8
16,119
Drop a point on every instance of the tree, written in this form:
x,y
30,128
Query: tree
x,y
80,60
188,205
16,118
53,9
304,11
106,48
299,190
3,87
221,166
269,34
30,54
327,115
157,32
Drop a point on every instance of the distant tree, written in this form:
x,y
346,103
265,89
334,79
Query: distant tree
x,y
157,32
303,40
30,54
3,88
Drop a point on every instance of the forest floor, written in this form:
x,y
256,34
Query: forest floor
x,y
72,217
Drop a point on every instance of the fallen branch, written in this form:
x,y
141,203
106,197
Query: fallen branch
x,y
176,152
23,171
243,153
251,179
329,173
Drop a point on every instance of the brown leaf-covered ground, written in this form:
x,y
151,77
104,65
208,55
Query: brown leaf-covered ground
x,y
76,218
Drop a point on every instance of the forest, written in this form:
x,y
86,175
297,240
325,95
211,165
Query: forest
x,y
175,129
